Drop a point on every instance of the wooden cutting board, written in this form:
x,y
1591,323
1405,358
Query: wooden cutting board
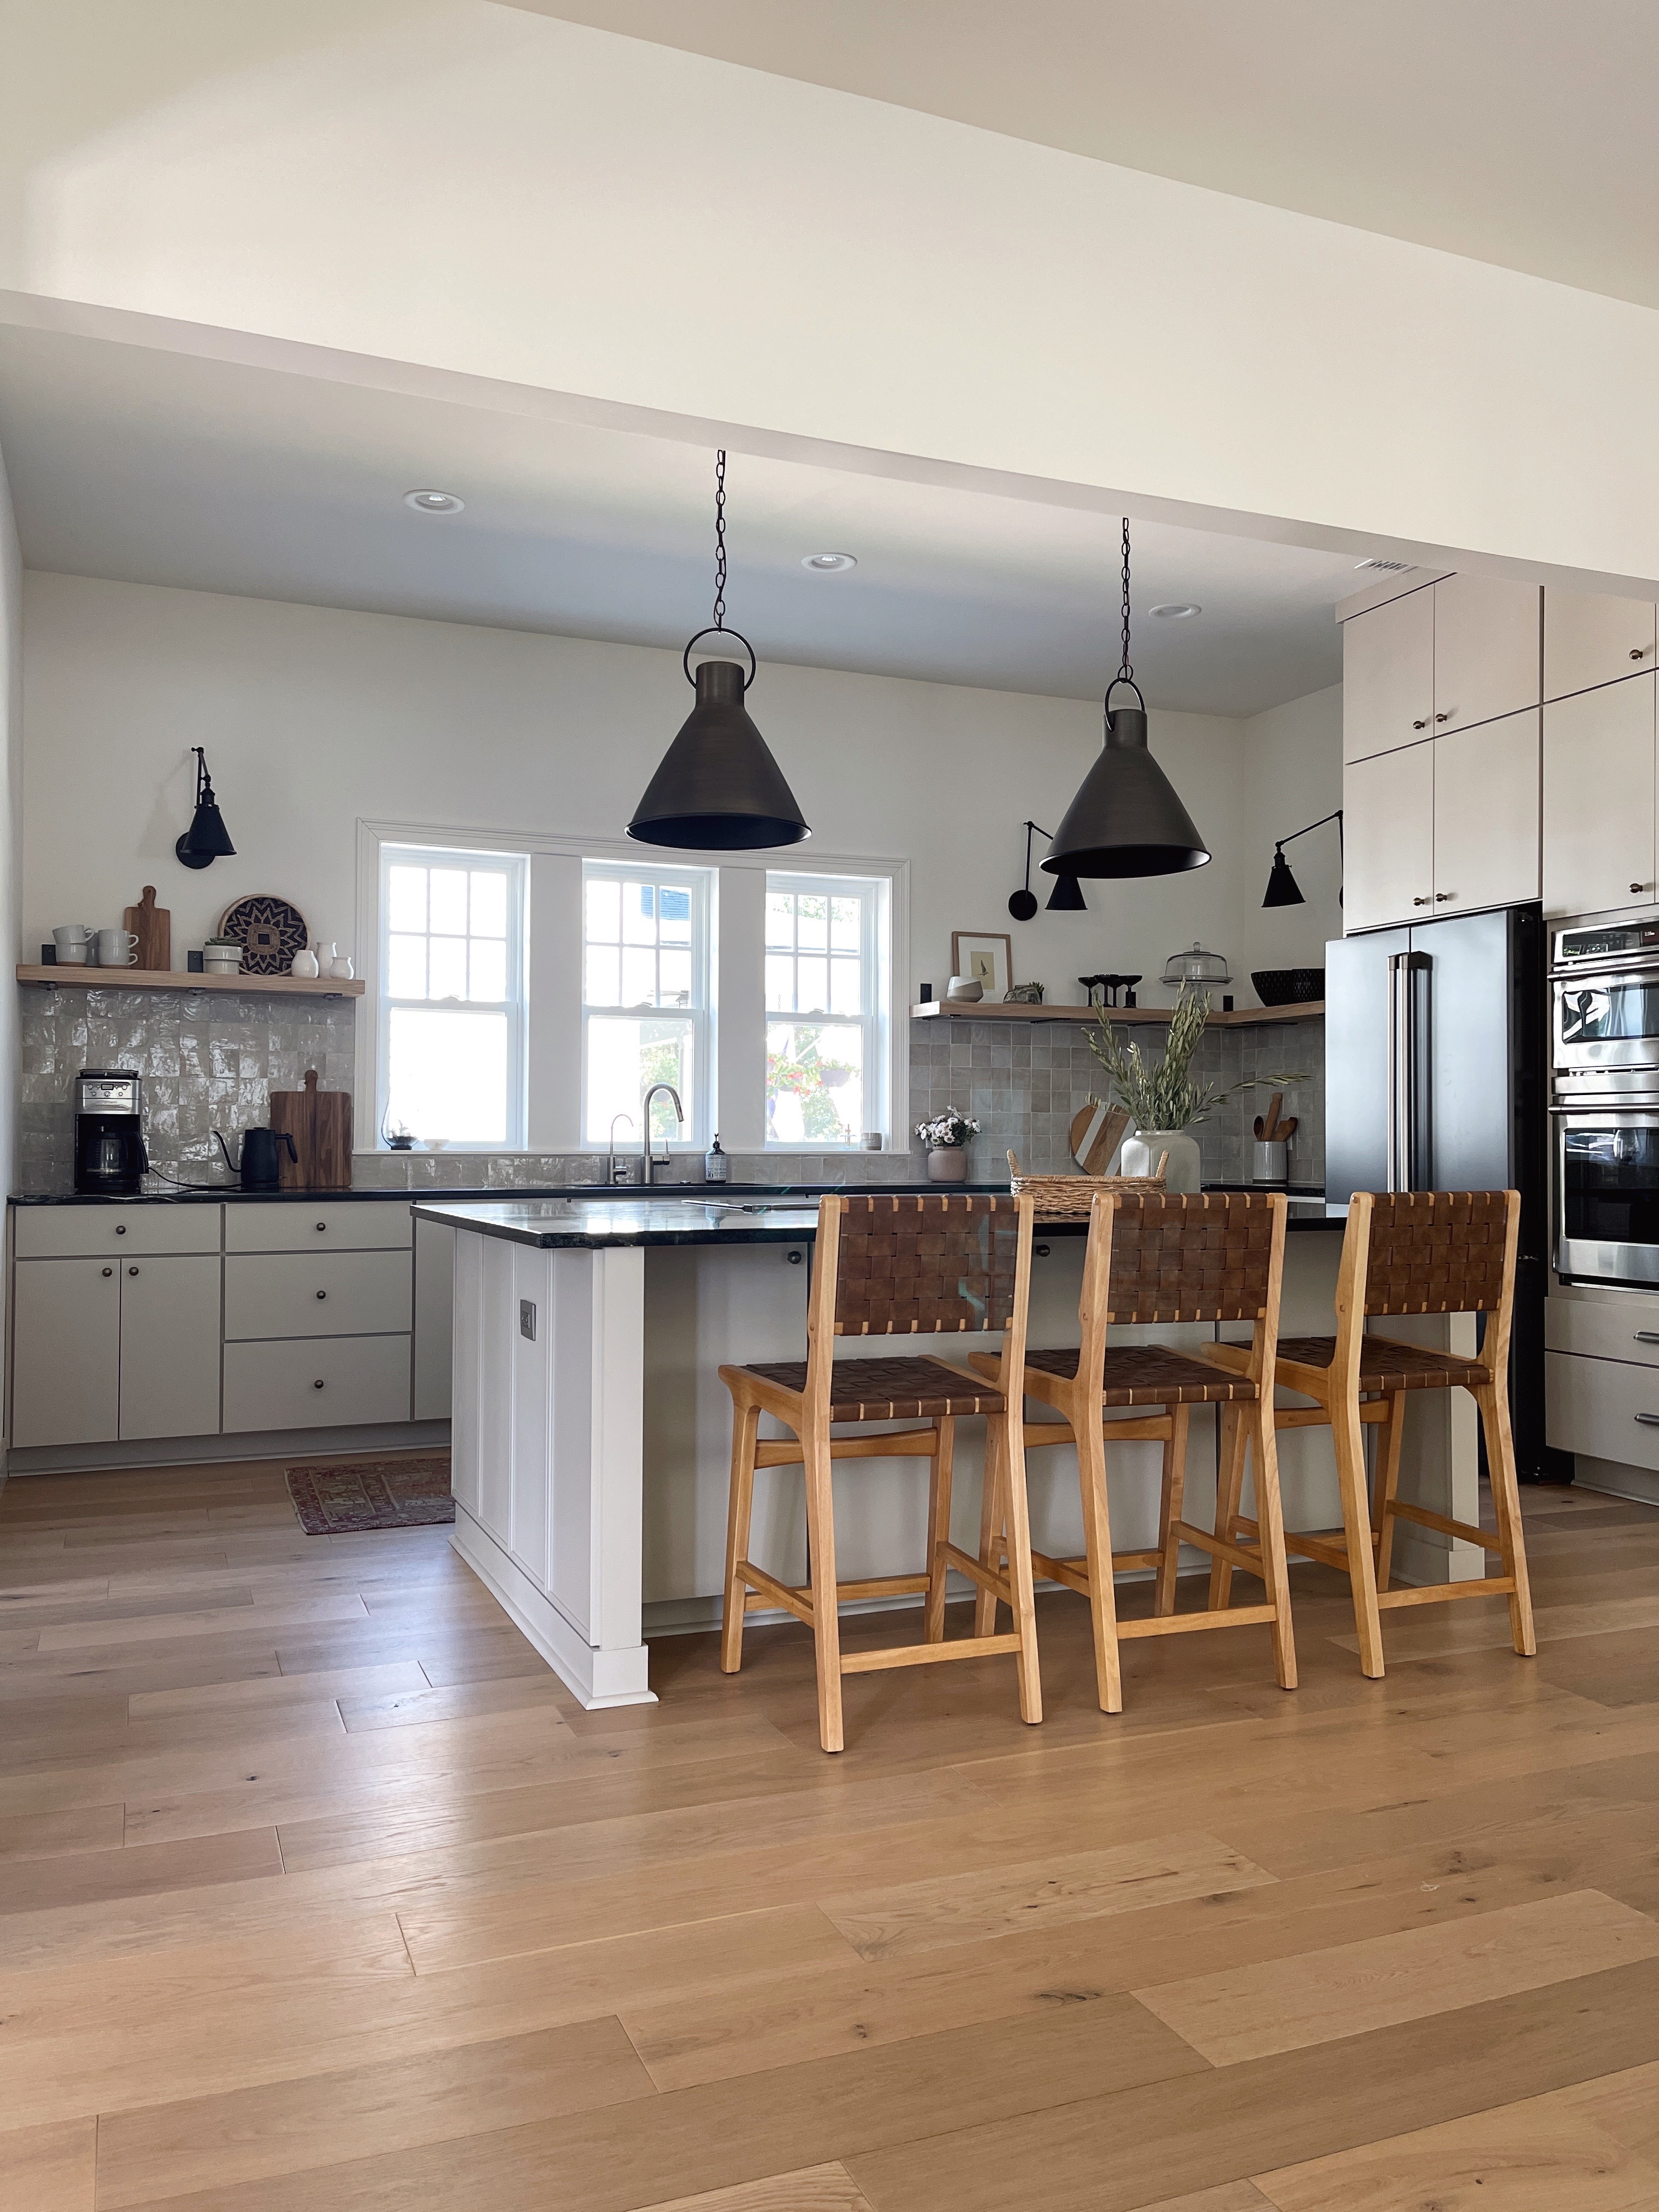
x,y
152,926
1097,1132
320,1123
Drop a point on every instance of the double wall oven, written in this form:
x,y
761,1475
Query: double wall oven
x,y
1604,1113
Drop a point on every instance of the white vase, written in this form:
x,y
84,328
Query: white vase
x,y
948,1163
324,953
342,968
1183,1170
303,964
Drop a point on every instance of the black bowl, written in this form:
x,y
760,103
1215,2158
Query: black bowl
x,y
1288,987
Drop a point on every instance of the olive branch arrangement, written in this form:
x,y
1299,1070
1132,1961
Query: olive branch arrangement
x,y
1161,1094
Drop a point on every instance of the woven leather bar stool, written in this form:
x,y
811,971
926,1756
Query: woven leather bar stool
x,y
1214,1258
1410,1252
888,1266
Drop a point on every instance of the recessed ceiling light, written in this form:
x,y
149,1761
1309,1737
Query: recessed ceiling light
x,y
1177,609
434,502
829,564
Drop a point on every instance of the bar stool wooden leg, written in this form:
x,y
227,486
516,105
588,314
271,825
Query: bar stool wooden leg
x,y
1229,1491
1097,1542
745,1426
1170,1507
821,1569
1390,1437
1270,1524
938,1523
1350,1440
1019,1560
1506,1505
992,1518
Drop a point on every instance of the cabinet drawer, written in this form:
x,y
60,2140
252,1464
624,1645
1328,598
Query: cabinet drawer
x,y
316,1293
325,1382
92,1232
1593,1406
1604,1332
307,1226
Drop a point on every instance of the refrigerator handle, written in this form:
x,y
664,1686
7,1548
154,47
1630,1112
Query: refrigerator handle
x,y
1399,1071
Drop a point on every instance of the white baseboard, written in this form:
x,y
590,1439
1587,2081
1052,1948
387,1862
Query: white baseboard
x,y
1613,1479
598,1680
264,1443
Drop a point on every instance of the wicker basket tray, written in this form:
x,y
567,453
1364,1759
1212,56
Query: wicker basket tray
x,y
1066,1198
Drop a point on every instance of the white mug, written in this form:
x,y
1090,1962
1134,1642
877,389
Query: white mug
x,y
116,948
72,941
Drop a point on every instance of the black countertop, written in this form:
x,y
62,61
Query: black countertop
x,y
156,1194
568,1223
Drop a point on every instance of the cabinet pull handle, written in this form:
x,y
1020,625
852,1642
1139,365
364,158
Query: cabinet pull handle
x,y
109,1271
1646,1336
322,1294
1649,1420
318,1385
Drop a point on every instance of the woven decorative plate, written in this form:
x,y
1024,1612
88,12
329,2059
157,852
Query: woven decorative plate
x,y
270,929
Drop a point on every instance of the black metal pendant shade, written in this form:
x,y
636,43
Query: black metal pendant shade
x,y
718,788
1125,819
207,839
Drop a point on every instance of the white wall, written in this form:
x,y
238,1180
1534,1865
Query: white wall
x,y
480,190
313,718
11,777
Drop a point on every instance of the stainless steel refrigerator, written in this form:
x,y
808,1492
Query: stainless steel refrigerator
x,y
1436,1043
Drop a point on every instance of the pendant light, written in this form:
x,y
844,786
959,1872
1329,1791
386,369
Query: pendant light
x,y
1066,897
1125,819
207,839
718,788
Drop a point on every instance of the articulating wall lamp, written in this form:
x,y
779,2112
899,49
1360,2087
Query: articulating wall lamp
x,y
207,839
1067,898
1283,889
1125,819
718,788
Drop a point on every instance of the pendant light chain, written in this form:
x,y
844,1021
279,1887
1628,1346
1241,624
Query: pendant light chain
x,y
1126,671
720,545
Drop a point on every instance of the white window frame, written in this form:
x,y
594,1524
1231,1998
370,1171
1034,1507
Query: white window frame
x,y
515,1006
881,1031
699,1108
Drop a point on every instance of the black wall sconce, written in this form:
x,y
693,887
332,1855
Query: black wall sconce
x,y
1283,889
207,839
1066,897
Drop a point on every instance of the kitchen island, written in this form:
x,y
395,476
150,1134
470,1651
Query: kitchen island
x,y
592,1434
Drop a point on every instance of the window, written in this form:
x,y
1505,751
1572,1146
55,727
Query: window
x,y
826,956
645,999
453,996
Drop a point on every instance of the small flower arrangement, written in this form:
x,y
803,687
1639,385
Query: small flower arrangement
x,y
947,1129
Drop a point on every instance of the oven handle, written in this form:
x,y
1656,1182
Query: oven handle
x,y
1638,966
1601,1109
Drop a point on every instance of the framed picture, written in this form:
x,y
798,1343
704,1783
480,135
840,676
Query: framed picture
x,y
988,959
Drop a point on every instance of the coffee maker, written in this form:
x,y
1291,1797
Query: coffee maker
x,y
109,1137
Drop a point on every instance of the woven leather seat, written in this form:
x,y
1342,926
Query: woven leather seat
x,y
1386,1365
1150,1375
915,1389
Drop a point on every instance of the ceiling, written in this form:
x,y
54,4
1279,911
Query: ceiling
x,y
1514,132
157,467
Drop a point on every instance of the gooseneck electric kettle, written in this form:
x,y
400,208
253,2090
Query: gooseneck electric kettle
x,y
260,1158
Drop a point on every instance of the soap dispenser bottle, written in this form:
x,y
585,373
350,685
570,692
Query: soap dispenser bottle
x,y
715,1164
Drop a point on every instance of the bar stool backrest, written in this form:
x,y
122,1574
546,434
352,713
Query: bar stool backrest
x,y
916,1265
1214,1256
1428,1252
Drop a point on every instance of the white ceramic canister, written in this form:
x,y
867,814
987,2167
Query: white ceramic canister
x,y
1183,1172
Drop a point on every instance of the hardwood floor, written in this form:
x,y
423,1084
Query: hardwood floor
x,y
317,1890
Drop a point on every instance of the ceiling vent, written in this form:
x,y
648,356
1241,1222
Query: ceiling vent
x,y
1385,568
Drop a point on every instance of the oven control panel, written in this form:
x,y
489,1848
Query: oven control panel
x,y
1639,938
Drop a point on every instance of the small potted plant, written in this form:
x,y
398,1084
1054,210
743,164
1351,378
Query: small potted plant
x,y
221,955
947,1138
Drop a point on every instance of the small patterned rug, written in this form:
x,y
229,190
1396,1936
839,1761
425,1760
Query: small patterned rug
x,y
335,1500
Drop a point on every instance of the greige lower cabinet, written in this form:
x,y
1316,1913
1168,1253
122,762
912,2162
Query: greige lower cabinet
x,y
138,1323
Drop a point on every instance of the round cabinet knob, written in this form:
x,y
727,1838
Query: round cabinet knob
x,y
1637,887
1421,724
1422,902
1440,898
318,1384
132,1271
1040,1251
1639,653
120,1228
321,1225
322,1294
793,1258
1443,717
109,1271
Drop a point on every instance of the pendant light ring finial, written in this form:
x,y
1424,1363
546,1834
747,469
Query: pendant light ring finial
x,y
720,630
1120,678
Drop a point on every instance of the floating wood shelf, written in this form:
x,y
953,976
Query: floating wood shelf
x,y
73,978
1248,1017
